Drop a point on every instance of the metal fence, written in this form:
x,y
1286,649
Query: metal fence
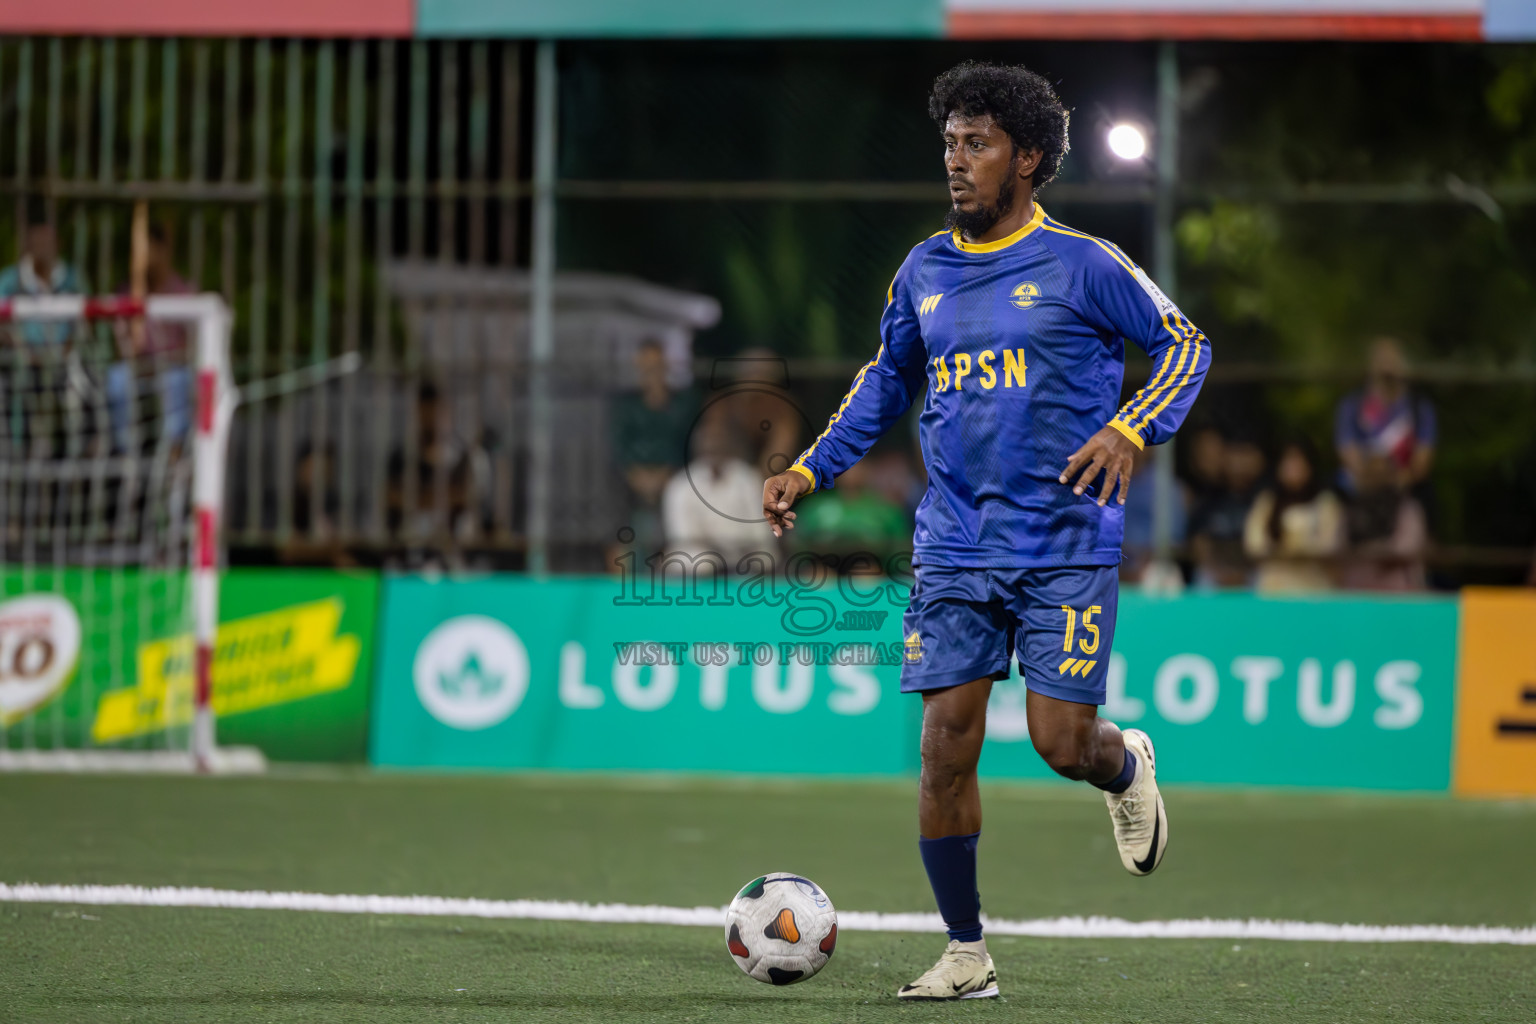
x,y
288,173
311,181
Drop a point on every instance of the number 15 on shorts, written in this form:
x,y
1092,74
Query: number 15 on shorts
x,y
1086,645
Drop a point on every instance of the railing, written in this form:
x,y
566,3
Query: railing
x,y
293,173
288,173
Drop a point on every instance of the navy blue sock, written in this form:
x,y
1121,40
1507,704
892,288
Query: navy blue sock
x,y
1120,783
951,865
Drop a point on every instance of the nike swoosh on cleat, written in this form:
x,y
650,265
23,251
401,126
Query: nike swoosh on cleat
x,y
1146,865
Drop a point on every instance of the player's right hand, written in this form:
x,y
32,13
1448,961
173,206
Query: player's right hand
x,y
779,495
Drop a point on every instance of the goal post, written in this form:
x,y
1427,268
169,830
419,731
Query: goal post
x,y
95,477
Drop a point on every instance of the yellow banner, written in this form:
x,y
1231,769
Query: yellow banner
x,y
1496,693
272,658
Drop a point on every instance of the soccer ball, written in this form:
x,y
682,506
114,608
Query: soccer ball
x,y
781,928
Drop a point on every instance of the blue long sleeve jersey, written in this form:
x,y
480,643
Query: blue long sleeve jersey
x,y
1016,349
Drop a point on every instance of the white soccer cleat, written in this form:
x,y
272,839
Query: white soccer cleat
x,y
965,971
1141,823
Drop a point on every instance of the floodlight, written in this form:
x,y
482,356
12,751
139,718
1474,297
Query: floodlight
x,y
1127,142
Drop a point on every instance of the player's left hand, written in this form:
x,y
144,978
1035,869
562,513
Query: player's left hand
x,y
1109,452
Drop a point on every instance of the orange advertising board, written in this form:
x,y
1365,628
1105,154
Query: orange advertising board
x,y
1496,693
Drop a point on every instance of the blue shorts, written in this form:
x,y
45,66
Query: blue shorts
x,y
965,624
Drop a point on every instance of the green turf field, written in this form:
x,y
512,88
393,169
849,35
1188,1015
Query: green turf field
x,y
1046,851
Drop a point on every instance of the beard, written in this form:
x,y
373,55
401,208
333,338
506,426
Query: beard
x,y
979,221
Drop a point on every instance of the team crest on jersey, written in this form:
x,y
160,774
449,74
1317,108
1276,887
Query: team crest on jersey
x,y
1025,294
914,647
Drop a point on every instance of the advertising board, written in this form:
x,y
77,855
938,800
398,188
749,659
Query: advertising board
x,y
103,658
589,674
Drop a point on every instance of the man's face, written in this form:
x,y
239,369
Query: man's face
x,y
1244,465
1209,455
159,258
1388,369
984,167
651,365
42,244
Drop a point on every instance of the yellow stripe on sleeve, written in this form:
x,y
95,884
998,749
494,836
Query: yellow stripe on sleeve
x,y
858,382
1125,429
1184,335
1149,385
1193,364
1153,391
1150,391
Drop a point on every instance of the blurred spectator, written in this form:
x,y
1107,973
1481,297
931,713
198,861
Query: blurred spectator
x,y
650,438
853,518
765,412
893,477
40,272
316,507
35,376
1387,531
715,504
1207,464
1217,517
1140,509
445,478
1385,420
154,353
1295,527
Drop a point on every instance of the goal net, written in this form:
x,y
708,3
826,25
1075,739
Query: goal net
x,y
112,447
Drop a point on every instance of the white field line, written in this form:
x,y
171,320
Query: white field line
x,y
714,917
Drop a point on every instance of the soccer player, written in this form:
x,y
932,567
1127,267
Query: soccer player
x,y
1009,328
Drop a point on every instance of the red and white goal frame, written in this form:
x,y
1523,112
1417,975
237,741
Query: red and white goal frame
x,y
215,401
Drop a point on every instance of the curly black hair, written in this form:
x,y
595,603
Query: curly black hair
x,y
1021,102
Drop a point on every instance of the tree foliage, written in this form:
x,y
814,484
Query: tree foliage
x,y
1304,285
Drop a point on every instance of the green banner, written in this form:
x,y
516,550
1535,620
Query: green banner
x,y
593,674
507,672
1322,691
294,662
574,19
103,658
